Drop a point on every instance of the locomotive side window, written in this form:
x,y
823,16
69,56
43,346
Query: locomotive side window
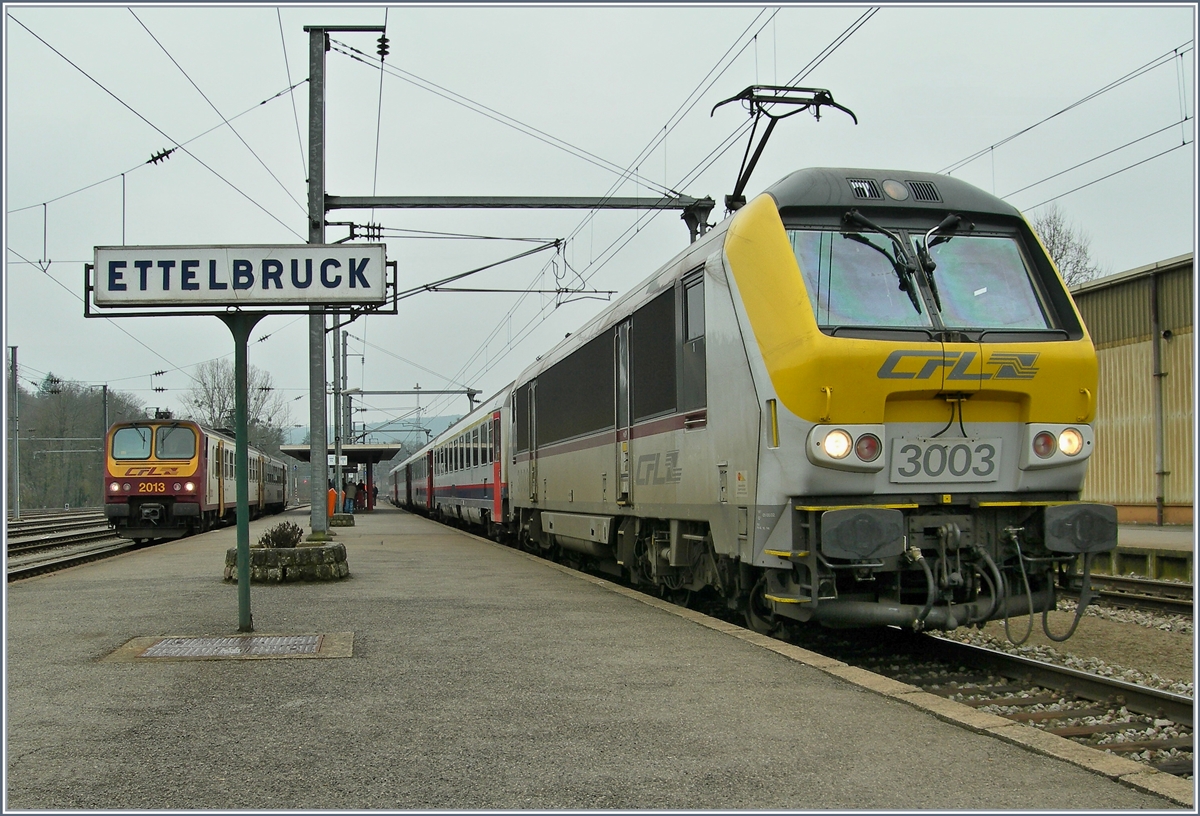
x,y
575,395
693,382
131,443
851,281
175,442
652,357
984,284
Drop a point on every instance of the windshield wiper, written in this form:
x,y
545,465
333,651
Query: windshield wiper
x,y
900,262
948,224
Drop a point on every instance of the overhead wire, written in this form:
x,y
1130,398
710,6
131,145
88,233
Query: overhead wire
x,y
1096,158
680,112
1134,74
157,129
142,164
490,113
379,113
224,119
1109,175
625,173
597,264
153,351
295,113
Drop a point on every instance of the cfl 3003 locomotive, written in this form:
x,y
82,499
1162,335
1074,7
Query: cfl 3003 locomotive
x,y
863,399
167,478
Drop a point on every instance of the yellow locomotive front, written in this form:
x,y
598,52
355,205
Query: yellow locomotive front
x,y
928,388
154,481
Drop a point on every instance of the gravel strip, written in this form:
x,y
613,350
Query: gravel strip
x,y
1178,624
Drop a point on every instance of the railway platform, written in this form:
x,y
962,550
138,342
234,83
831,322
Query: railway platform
x,y
451,673
1162,553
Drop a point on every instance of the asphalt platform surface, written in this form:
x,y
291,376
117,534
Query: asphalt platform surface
x,y
479,679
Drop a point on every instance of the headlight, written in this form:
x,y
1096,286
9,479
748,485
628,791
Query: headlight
x,y
837,444
1070,442
127,487
177,487
868,447
189,487
1044,444
114,488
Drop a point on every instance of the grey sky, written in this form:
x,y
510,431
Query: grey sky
x,y
931,86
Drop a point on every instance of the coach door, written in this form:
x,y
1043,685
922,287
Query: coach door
x,y
533,445
221,478
429,459
624,482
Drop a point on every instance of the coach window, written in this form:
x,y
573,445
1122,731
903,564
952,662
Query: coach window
x,y
475,447
131,443
694,380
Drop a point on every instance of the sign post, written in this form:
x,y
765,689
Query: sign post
x,y
240,325
246,283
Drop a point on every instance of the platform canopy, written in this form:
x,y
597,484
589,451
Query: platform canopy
x,y
355,454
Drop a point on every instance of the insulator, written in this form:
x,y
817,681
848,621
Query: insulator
x,y
383,47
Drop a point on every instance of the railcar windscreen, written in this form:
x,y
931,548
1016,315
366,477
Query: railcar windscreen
x,y
984,284
175,442
131,443
852,284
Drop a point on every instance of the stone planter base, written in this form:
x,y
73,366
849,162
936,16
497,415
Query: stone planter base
x,y
325,563
341,520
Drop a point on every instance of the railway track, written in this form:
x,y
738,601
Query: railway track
x,y
54,540
1128,592
1140,723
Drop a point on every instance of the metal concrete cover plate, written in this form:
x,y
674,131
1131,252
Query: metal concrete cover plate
x,y
235,647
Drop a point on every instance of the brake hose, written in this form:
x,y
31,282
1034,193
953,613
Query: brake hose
x,y
1085,597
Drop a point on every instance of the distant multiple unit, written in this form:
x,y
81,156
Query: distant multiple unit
x,y
167,478
865,399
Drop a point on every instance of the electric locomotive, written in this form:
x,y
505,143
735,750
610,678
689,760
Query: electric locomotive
x,y
168,478
864,399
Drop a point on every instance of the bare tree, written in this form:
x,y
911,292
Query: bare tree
x,y
212,399
1067,245
62,449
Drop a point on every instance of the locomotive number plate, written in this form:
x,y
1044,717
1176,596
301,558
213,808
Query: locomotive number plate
x,y
949,460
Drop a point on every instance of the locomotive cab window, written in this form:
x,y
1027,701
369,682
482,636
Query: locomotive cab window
x,y
851,280
694,380
984,284
175,442
131,443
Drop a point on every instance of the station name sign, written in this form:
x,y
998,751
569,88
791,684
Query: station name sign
x,y
242,276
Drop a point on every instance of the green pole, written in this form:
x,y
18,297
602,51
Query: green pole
x,y
240,325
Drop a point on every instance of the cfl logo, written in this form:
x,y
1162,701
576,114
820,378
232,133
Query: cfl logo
x,y
911,364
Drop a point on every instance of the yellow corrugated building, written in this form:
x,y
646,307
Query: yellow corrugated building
x,y
1141,322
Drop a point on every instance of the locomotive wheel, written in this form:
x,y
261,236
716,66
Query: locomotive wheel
x,y
679,597
759,617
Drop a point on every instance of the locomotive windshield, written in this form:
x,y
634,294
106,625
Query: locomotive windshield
x,y
979,282
175,442
131,443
